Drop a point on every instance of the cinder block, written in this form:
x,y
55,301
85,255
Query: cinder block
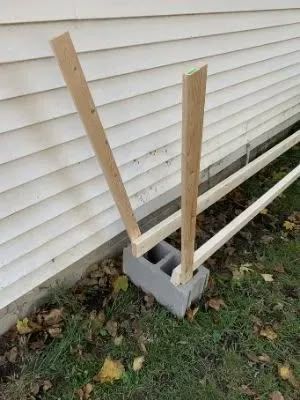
x,y
152,273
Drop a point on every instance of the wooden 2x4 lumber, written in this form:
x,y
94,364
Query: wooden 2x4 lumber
x,y
193,100
73,75
170,224
218,240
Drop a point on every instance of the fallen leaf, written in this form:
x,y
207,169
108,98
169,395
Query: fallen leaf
x,y
289,226
46,386
120,283
267,277
215,303
286,373
248,391
55,332
266,239
111,370
97,321
268,333
276,396
264,358
279,268
53,317
23,327
85,392
34,388
37,345
112,328
264,211
190,313
149,301
118,340
239,273
138,363
12,355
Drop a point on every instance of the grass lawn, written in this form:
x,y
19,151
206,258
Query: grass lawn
x,y
232,353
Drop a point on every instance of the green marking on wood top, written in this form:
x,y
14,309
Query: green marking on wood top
x,y
192,71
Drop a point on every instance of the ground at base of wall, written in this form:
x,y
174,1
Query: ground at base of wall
x,y
104,340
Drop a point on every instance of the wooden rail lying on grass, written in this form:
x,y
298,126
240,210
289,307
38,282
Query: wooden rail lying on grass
x,y
219,239
73,75
193,100
170,224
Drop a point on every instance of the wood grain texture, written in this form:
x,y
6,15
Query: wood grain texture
x,y
169,225
193,100
76,82
218,240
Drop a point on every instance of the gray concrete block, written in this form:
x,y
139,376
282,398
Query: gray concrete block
x,y
152,273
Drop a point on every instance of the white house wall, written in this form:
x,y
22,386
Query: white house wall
x,y
55,207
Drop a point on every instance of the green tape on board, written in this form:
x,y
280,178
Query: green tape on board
x,y
192,71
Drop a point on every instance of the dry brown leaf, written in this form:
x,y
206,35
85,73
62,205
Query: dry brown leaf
x,y
191,313
264,358
239,273
118,340
286,373
112,327
12,355
215,303
248,391
268,333
34,388
37,345
46,386
267,277
264,211
279,268
276,396
138,363
85,392
53,317
111,370
55,332
149,301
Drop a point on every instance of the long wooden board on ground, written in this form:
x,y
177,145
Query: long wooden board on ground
x,y
218,240
193,100
73,75
170,224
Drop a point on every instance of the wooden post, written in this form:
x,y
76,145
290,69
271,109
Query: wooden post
x,y
193,100
220,238
72,72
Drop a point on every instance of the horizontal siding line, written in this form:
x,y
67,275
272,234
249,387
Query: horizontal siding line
x,y
104,191
109,220
165,99
69,108
35,11
98,182
217,64
42,236
271,34
220,111
164,182
67,258
12,197
8,221
102,35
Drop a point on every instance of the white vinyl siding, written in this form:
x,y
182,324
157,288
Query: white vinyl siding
x,y
55,206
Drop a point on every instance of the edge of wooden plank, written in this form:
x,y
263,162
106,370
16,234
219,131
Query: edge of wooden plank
x,y
169,225
225,234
